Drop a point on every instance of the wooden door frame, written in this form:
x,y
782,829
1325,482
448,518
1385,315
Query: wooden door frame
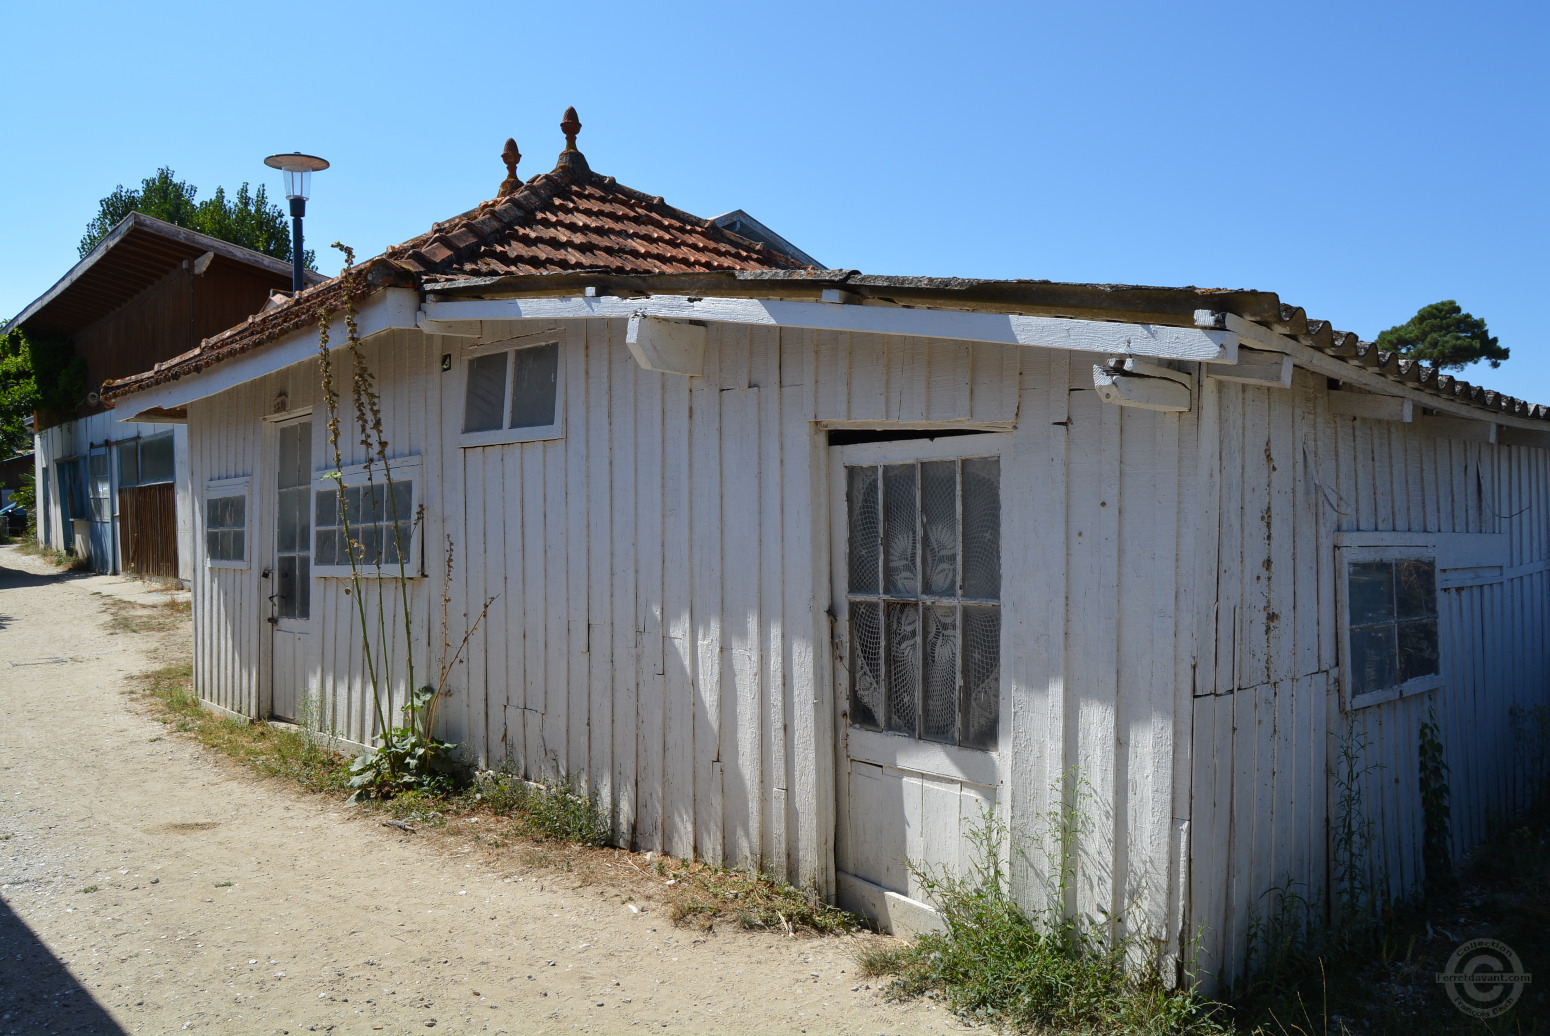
x,y
265,526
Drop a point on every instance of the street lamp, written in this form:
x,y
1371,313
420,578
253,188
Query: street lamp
x,y
298,170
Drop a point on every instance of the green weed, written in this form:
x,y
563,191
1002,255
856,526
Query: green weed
x,y
997,963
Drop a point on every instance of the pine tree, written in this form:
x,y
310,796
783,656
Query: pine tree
x,y
1444,335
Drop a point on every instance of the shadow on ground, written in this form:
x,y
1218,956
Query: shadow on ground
x,y
16,579
37,992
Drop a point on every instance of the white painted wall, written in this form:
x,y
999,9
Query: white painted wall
x,y
660,584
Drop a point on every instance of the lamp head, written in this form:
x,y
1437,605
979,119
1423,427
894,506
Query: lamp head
x,y
298,170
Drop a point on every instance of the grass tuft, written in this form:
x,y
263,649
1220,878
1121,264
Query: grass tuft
x,y
996,963
556,810
295,754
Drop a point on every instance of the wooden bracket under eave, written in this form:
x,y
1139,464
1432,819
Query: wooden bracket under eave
x,y
667,346
1147,386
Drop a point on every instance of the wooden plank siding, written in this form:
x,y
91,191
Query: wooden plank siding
x,y
1268,731
148,529
659,583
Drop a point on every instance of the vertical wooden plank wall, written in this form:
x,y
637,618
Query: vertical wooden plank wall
x,y
1268,724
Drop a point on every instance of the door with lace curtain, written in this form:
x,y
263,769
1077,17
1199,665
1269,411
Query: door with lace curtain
x,y
918,673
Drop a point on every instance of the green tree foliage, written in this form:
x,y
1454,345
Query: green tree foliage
x,y
1443,334
18,395
248,219
37,372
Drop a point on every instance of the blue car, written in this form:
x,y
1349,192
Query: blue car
x,y
13,519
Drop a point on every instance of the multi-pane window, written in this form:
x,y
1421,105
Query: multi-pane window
x,y
147,461
293,531
226,524
99,488
512,394
1391,608
379,523
924,598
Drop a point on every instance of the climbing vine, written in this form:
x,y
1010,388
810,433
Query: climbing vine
x,y
1436,811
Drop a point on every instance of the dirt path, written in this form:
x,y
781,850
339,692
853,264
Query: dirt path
x,y
227,904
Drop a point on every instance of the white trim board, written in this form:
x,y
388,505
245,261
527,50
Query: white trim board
x,y
1112,337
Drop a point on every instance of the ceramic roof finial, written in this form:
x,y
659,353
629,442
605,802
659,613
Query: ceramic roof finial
x,y
570,125
511,156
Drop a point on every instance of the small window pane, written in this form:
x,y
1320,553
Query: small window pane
x,y
372,499
285,586
239,545
99,465
901,641
395,543
213,545
486,393
213,513
352,506
939,690
866,665
1374,664
981,676
327,509
982,528
939,527
370,539
156,464
1372,592
303,587
1415,589
1417,649
402,502
292,521
327,550
533,378
129,464
861,499
899,529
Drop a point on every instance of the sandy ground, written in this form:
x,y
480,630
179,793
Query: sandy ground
x,y
224,903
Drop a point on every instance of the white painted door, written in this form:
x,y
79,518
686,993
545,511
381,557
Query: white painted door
x,y
918,674
290,588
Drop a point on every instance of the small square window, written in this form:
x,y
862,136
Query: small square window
x,y
513,394
226,524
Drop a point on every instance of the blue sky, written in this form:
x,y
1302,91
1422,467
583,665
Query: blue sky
x,y
1360,159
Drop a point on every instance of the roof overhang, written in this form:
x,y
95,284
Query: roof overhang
x,y
383,311
1239,335
136,253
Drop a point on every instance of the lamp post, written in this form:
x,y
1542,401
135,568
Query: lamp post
x,y
298,170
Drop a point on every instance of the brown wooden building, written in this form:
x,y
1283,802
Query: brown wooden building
x,y
147,293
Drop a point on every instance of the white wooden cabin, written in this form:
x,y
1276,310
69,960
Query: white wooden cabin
x,y
800,569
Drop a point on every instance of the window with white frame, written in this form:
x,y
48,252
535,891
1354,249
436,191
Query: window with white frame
x,y
146,461
370,515
511,393
924,598
1390,624
226,523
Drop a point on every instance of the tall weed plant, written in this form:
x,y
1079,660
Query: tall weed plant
x,y
408,755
